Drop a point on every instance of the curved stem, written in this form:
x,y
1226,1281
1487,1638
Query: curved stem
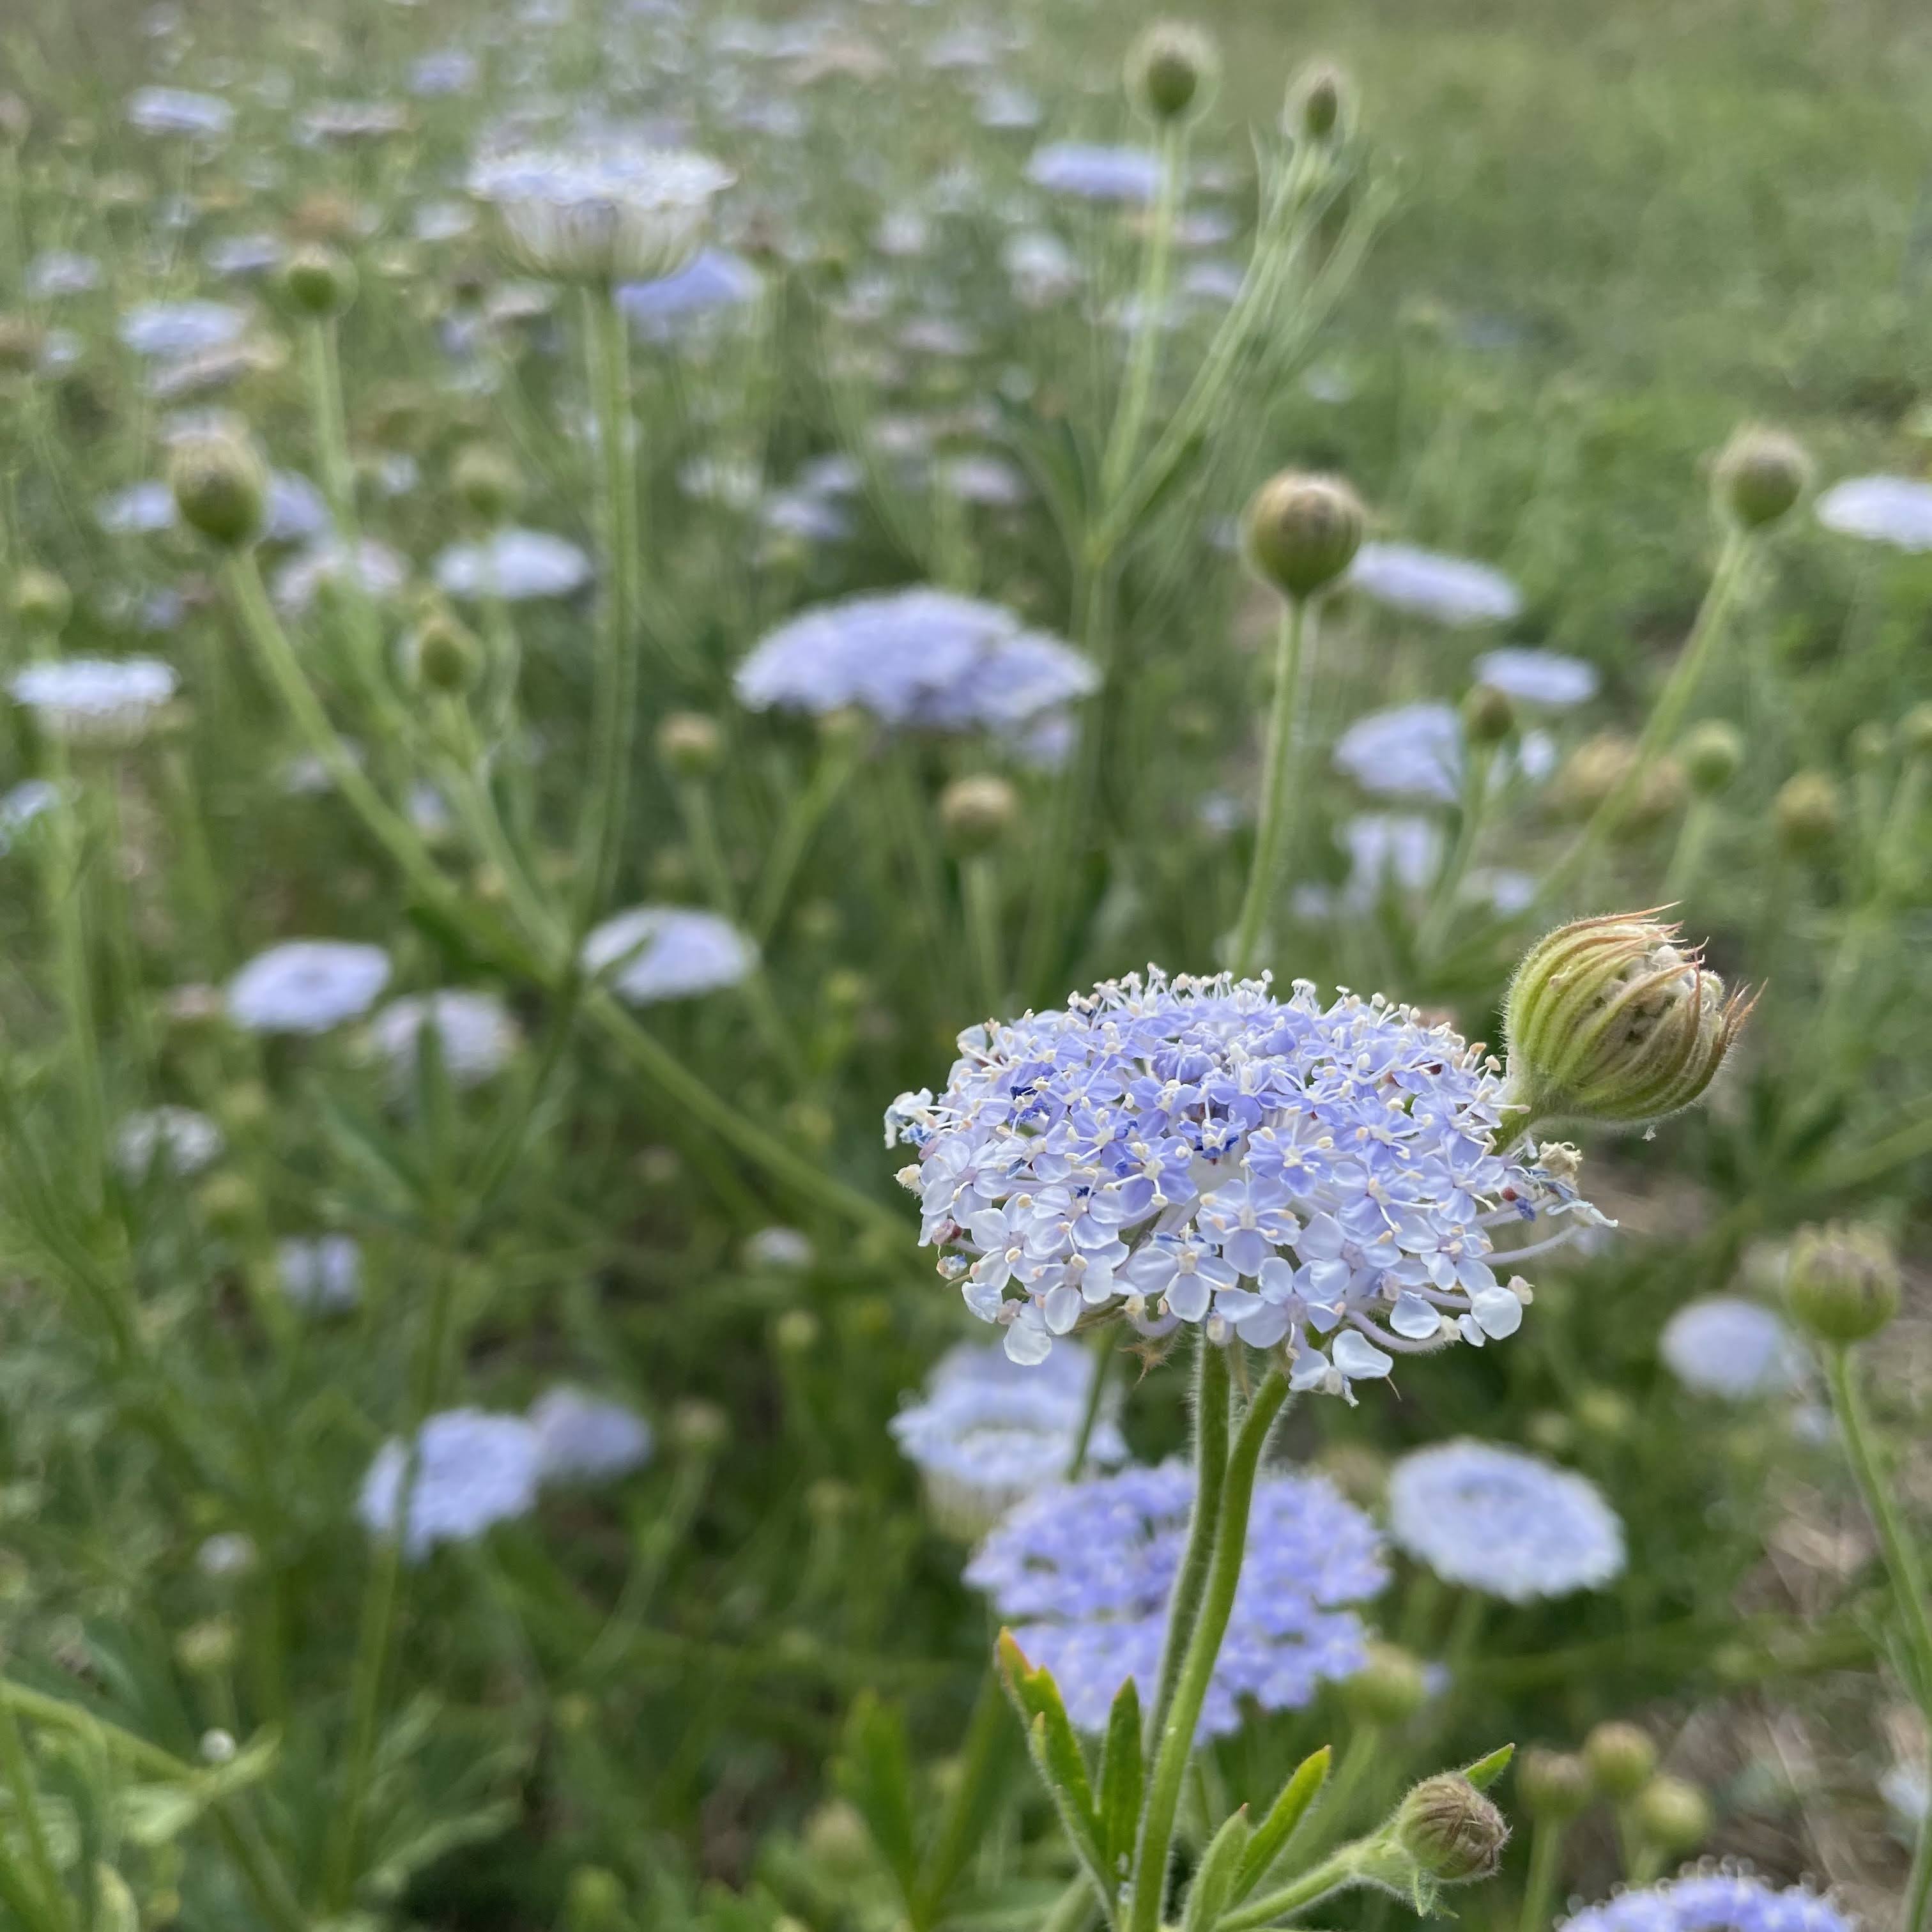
x,y
1333,1874
1287,712
1155,1840
1150,304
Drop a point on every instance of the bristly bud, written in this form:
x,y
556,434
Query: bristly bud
x,y
975,813
1711,754
486,482
318,281
1609,1019
41,602
1172,71
220,487
1622,1759
690,744
1488,715
1320,105
1451,1830
1842,1282
1760,474
1671,1814
442,655
1389,1689
1806,815
1554,1785
1300,533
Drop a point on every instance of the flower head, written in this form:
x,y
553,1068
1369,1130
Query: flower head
x,y
176,110
1095,173
1542,678
173,1140
321,1275
924,659
474,1032
102,701
667,953
514,565
584,1437
473,1469
306,986
1497,1520
615,213
1893,510
1197,1150
1610,1019
1713,1901
1450,590
1722,1345
1083,1573
989,1432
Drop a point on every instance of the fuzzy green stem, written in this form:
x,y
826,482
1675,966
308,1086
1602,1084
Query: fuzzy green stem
x,y
1287,713
1907,1578
607,358
1155,1842
1335,1873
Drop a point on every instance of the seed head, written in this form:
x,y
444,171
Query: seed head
x,y
1842,1282
1609,1019
1760,475
1300,533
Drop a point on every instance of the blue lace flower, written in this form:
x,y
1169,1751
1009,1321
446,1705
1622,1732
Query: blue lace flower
x,y
1083,1574
1507,1524
1722,1345
306,986
1320,1178
473,1469
1096,173
587,1438
1713,1901
1450,590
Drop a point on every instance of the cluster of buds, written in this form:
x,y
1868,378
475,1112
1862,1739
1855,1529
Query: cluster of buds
x,y
1611,1019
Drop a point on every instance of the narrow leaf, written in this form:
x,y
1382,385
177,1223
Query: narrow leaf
x,y
1120,1775
1213,1887
1283,1820
875,1773
1486,1770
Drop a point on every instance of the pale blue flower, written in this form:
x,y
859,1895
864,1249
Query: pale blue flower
x,y
22,804
1893,510
169,330
1543,679
667,953
1505,1523
921,657
1410,751
450,70
176,110
517,566
237,256
320,1274
1388,851
1082,1573
475,1034
1722,1345
306,986
173,1140
1092,172
587,1438
59,273
106,702
1450,590
326,562
1197,1150
713,280
473,1470
1713,1901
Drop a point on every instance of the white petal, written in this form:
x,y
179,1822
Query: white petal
x,y
1414,1318
1355,1354
1498,1311
1063,1309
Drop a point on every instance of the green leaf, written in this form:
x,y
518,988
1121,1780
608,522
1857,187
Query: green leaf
x,y
1486,1770
1121,1770
875,1772
1214,1881
1058,1759
1284,1820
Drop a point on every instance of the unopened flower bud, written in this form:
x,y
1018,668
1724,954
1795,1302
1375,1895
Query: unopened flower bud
x,y
220,487
690,744
1452,1831
1319,101
594,1901
486,482
1842,1282
42,603
1300,533
1389,1689
1760,475
1673,1814
442,655
1172,71
1608,1019
1870,745
318,281
207,1648
1915,731
698,1428
796,1331
1711,754
1806,814
1553,1785
975,813
1488,715
1622,1759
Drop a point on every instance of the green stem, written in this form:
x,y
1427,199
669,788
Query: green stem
x,y
27,1814
980,883
1907,1578
1335,1873
607,358
1287,713
1546,1858
1437,920
987,1734
1124,440
1666,720
1687,856
1106,1354
73,973
836,764
1156,1839
1075,1910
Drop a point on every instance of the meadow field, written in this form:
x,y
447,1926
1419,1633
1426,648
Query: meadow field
x,y
963,968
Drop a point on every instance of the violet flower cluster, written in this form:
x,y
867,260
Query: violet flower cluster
x,y
1321,1178
1083,1574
